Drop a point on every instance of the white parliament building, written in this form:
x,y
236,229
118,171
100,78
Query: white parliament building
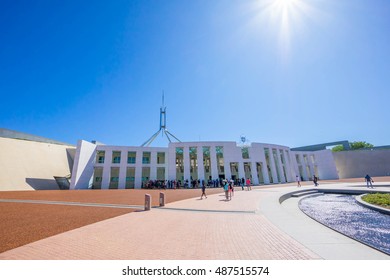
x,y
121,167
32,162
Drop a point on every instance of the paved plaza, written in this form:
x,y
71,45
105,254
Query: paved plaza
x,y
253,225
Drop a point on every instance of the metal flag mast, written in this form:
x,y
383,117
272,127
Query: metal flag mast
x,y
163,127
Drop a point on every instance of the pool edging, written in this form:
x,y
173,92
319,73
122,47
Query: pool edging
x,y
382,210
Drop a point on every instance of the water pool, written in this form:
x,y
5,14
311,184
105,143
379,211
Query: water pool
x,y
344,214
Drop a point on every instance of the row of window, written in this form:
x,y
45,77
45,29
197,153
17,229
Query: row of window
x,y
131,157
146,156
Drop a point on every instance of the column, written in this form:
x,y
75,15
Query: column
x,y
199,152
272,165
287,166
122,170
138,170
186,162
228,172
303,165
282,178
153,165
171,163
213,162
264,172
241,171
255,178
107,169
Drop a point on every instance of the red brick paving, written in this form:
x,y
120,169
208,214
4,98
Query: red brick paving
x,y
175,234
23,223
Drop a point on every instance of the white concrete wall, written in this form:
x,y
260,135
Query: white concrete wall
x,y
30,165
322,159
83,168
358,163
326,165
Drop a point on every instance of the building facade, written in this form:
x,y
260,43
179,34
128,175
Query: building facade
x,y
122,167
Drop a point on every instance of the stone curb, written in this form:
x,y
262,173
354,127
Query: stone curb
x,y
371,206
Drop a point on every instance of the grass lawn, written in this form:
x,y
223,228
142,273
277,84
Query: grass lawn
x,y
380,199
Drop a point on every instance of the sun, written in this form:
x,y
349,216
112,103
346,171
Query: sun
x,y
283,22
286,2
287,15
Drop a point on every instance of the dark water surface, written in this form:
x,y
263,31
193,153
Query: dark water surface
x,y
344,214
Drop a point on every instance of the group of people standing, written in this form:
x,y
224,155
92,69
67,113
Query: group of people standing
x,y
228,187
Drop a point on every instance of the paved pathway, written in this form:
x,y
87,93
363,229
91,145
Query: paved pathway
x,y
250,226
71,203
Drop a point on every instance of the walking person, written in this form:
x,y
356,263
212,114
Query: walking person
x,y
203,191
248,184
315,180
369,181
298,181
230,190
242,183
226,189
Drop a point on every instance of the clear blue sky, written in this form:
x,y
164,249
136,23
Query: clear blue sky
x,y
285,72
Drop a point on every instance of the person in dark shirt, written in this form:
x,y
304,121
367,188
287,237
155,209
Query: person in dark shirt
x,y
203,191
369,181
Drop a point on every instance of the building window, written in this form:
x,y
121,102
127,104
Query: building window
x,y
179,163
130,178
282,160
206,162
160,158
114,178
234,170
98,174
146,158
145,174
100,155
259,167
282,157
245,152
220,161
248,170
276,161
131,156
160,173
116,157
268,163
193,163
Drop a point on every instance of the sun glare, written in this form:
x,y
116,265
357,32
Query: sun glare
x,y
286,15
285,3
283,22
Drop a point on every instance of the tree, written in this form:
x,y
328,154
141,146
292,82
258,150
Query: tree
x,y
338,148
357,145
360,145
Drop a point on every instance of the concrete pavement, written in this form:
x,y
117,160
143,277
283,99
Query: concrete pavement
x,y
253,225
